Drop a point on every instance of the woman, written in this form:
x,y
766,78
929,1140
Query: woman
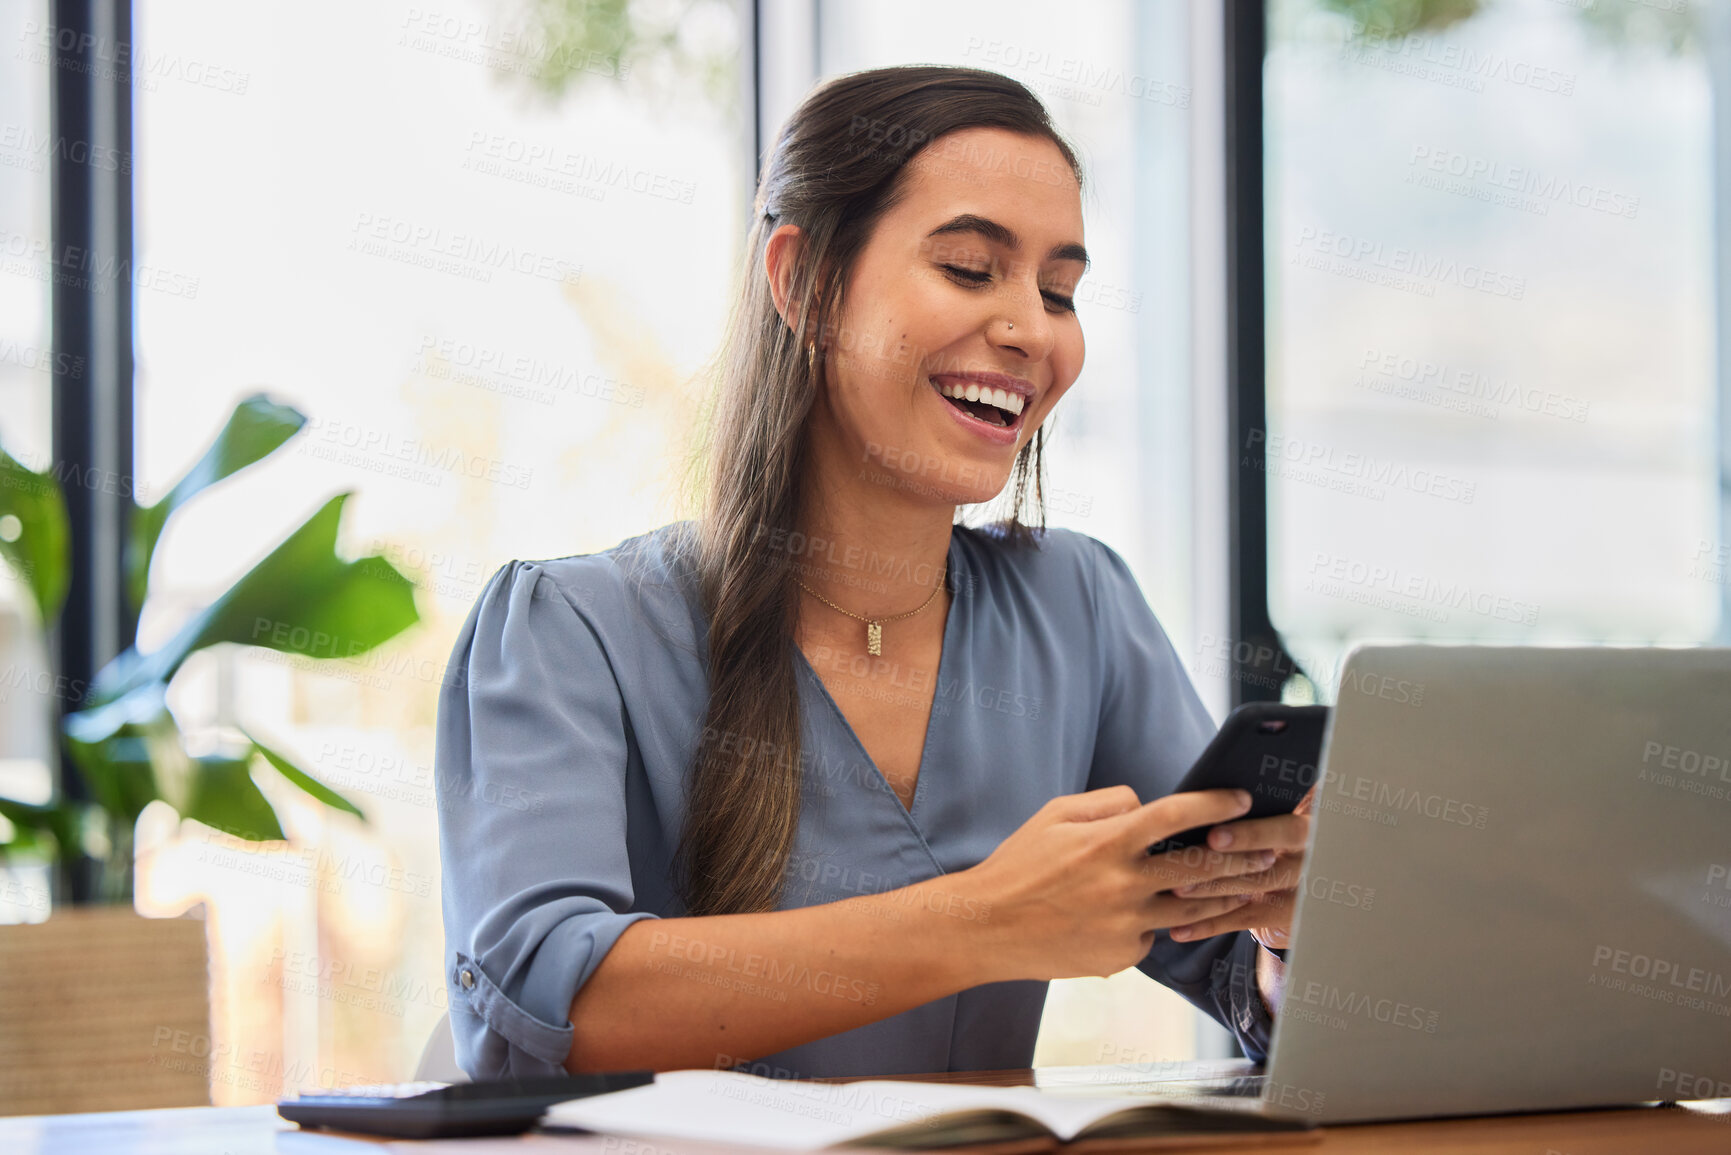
x,y
824,782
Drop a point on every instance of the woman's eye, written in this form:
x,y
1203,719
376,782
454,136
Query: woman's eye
x,y
969,276
977,277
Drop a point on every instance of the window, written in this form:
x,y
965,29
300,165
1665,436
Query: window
x,y
26,357
485,256
1492,381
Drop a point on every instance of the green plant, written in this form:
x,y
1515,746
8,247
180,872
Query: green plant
x,y
124,742
667,47
1393,18
1674,25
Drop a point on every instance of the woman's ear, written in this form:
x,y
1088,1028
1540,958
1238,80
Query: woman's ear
x,y
780,256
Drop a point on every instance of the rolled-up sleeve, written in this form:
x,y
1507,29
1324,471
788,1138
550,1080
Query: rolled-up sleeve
x,y
1152,727
530,761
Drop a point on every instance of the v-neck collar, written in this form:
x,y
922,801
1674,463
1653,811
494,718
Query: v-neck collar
x,y
945,657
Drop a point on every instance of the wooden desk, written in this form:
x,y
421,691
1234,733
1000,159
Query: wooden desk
x,y
1704,1130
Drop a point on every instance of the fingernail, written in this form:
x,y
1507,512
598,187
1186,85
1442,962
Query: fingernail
x,y
1266,858
1181,935
1243,799
1220,839
1185,891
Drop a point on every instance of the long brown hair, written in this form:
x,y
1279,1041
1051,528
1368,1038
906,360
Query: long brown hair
x,y
835,170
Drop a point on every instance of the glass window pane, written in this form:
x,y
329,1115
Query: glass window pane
x,y
485,257
26,431
1491,358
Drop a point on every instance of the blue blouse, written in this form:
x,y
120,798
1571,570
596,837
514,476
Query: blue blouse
x,y
566,726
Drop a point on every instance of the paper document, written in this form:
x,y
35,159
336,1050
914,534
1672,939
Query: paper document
x,y
799,1115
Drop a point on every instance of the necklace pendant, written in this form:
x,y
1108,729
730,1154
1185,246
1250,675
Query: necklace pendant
x,y
874,639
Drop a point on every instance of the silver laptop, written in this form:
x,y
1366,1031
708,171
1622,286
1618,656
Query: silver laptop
x,y
1517,895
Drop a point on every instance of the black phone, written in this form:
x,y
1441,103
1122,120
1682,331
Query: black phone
x,y
461,1110
1266,748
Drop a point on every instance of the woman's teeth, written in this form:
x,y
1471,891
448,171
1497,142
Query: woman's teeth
x,y
1010,403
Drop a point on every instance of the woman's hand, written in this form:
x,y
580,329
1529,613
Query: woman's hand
x,y
1074,892
1269,895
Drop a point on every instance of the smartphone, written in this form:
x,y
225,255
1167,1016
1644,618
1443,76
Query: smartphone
x,y
1266,748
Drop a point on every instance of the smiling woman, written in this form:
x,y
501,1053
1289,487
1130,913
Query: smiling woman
x,y
869,777
942,291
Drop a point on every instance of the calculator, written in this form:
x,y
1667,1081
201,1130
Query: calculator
x,y
449,1110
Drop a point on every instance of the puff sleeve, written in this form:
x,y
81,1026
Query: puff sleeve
x,y
1152,727
530,757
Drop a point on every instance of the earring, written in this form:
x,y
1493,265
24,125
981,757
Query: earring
x,y
811,360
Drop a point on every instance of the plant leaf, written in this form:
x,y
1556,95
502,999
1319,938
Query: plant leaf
x,y
304,780
139,706
38,829
26,842
225,797
256,428
41,555
301,598
111,748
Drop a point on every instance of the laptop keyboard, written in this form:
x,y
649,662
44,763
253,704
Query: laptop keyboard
x,y
1228,1079
1246,1087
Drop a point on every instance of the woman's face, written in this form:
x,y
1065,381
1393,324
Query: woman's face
x,y
959,332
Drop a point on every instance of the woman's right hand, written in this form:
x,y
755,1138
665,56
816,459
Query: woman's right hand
x,y
1073,892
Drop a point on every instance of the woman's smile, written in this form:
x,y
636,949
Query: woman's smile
x,y
989,404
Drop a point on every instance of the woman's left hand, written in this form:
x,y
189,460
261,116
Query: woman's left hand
x,y
1268,916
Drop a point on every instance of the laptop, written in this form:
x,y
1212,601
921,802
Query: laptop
x,y
1517,895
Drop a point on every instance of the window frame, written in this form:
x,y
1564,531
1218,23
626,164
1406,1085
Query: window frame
x,y
92,312
1259,663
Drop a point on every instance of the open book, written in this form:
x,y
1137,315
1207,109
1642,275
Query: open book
x,y
799,1115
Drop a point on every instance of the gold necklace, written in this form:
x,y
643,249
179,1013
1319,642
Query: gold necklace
x,y
874,626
